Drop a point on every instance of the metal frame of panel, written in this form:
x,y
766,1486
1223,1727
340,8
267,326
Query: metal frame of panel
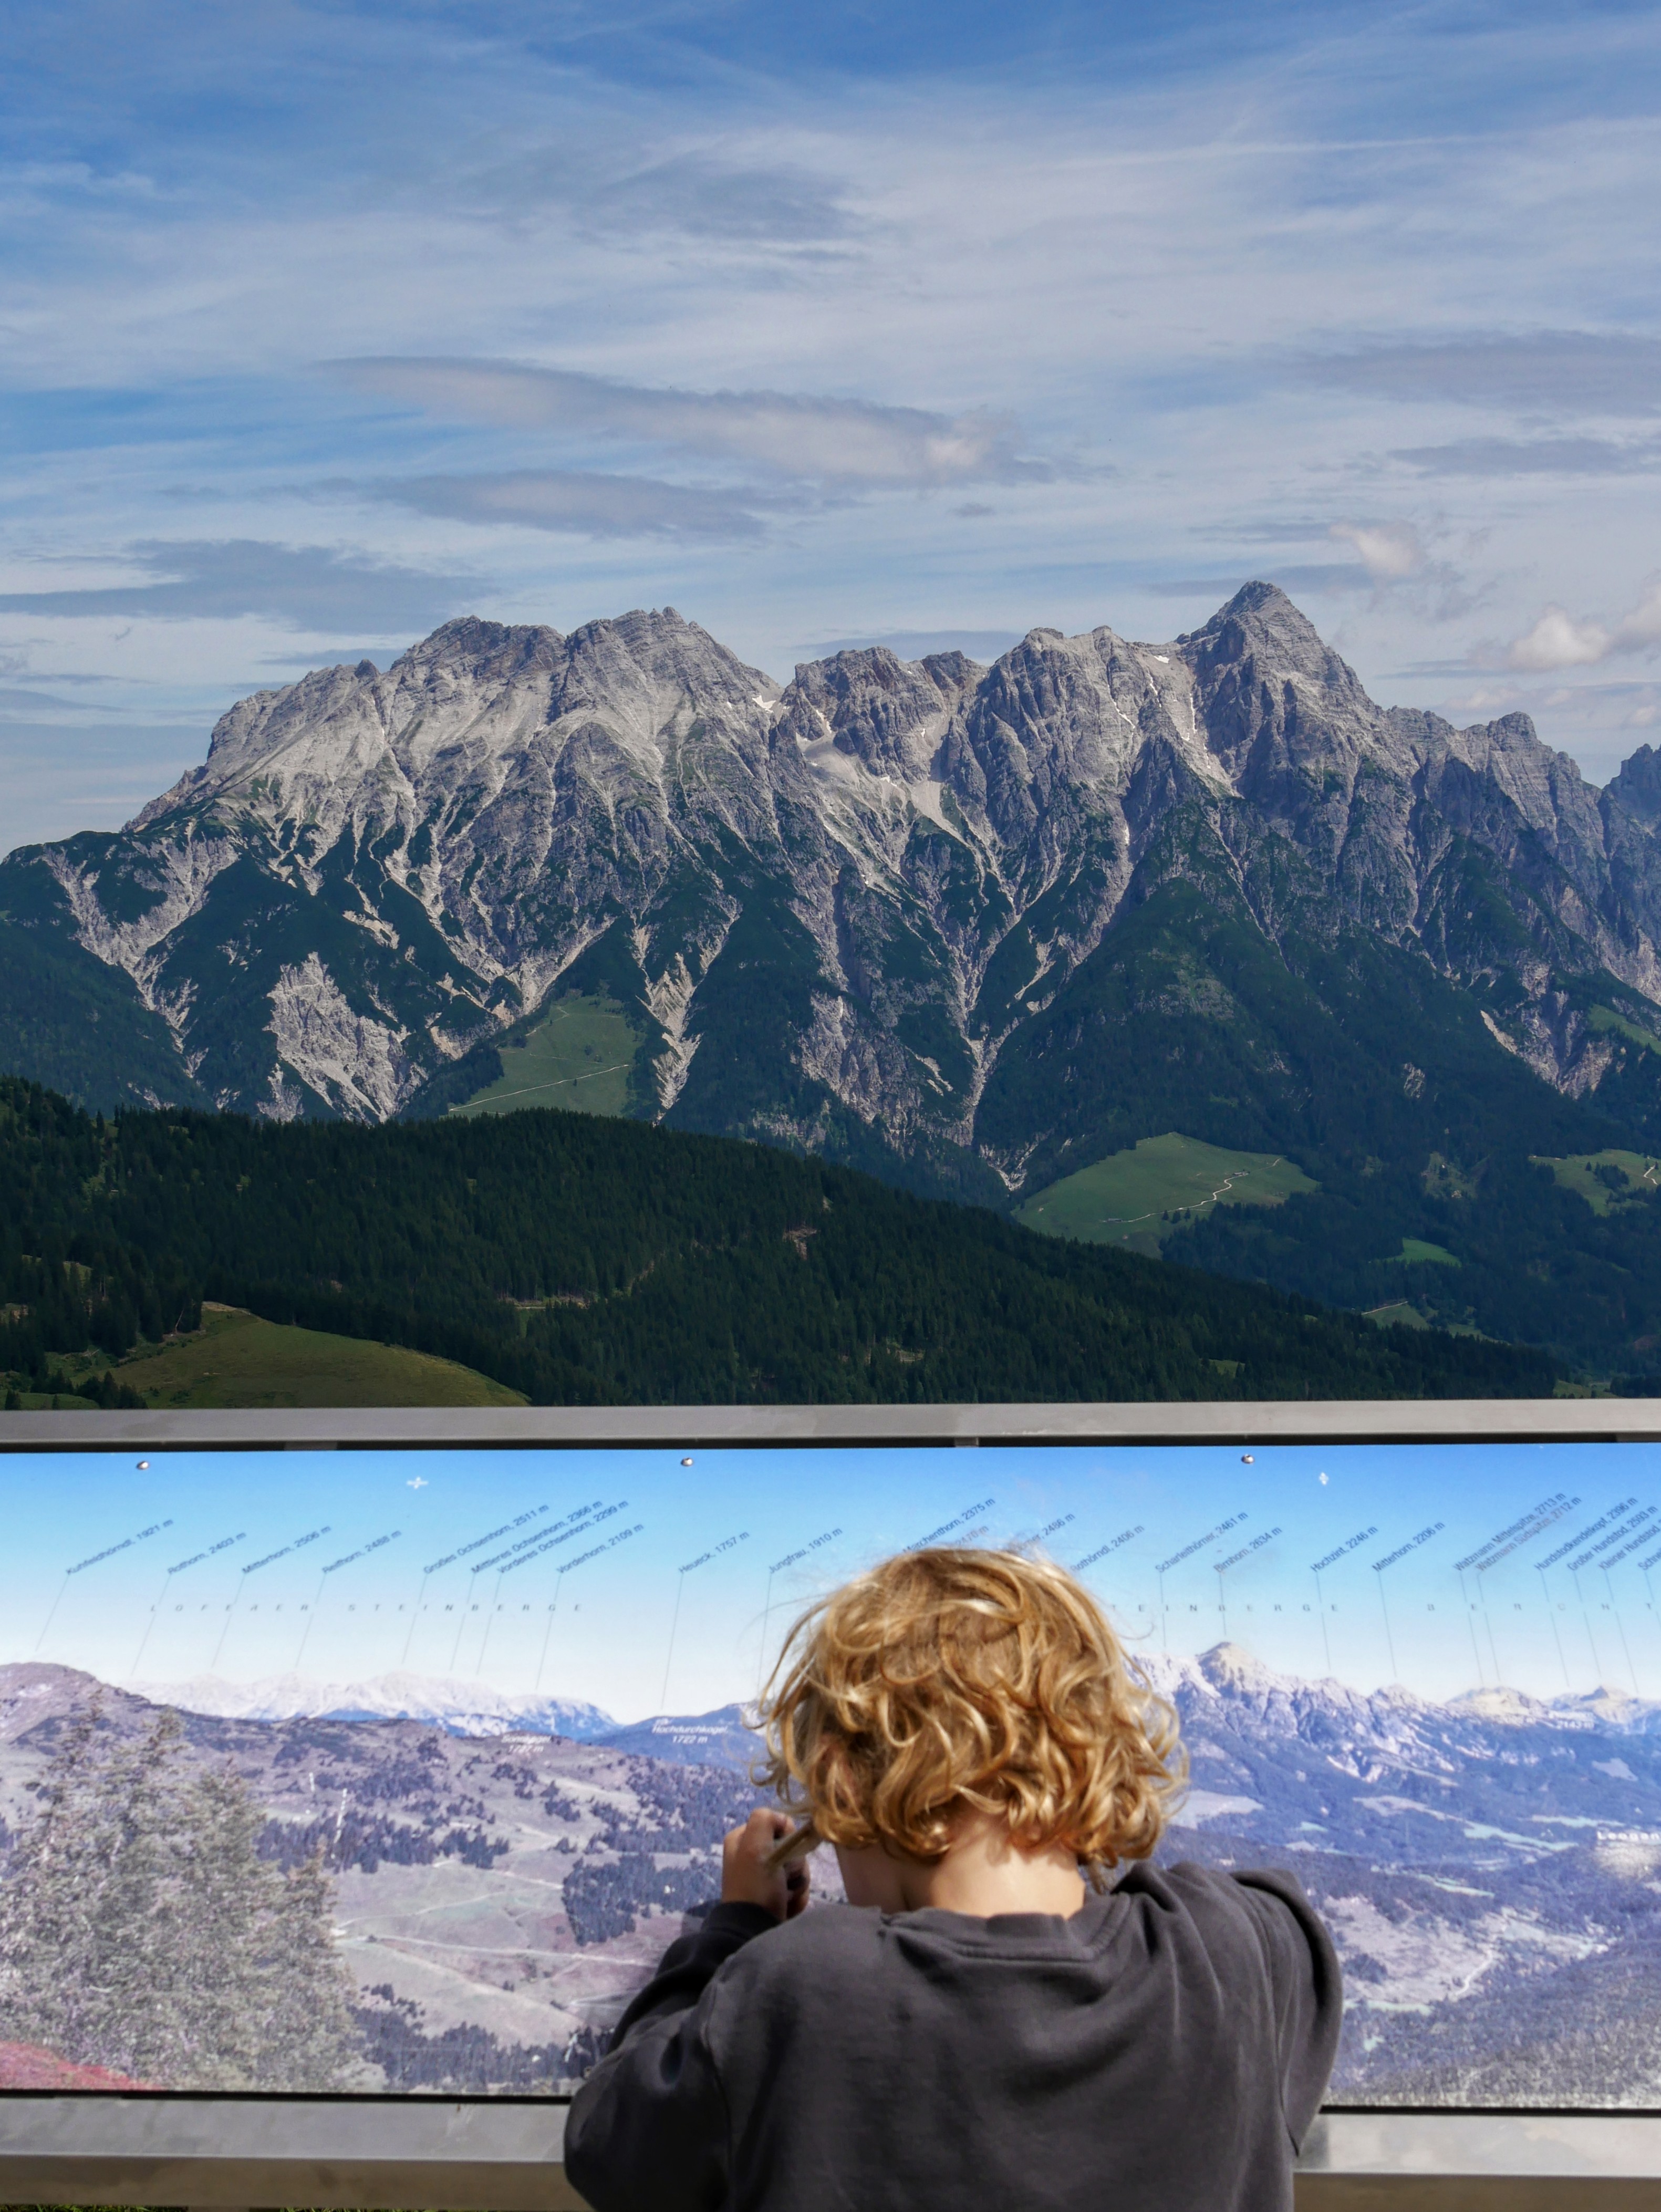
x,y
505,2155
1382,1420
500,2154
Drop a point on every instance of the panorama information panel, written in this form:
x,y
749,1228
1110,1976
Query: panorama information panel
x,y
385,1772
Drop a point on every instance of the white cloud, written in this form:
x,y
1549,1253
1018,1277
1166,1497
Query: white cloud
x,y
1639,629
1558,639
1389,551
1485,700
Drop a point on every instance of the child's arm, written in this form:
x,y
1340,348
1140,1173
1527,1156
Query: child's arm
x,y
647,2131
1308,1999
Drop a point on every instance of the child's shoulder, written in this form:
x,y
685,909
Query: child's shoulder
x,y
1209,1889
830,1947
1255,1905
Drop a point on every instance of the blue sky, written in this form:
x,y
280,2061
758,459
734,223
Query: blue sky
x,y
621,1578
322,321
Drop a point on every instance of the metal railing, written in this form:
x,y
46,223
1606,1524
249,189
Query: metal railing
x,y
492,2155
1286,1420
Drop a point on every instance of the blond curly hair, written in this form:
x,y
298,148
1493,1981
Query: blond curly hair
x,y
949,1678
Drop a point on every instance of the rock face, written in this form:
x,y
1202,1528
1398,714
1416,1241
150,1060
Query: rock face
x,y
943,920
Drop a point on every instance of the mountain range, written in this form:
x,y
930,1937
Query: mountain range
x,y
1488,1865
971,927
462,1708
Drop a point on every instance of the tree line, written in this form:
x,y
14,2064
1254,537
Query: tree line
x,y
582,1261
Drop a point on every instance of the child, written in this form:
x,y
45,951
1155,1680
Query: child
x,y
985,2024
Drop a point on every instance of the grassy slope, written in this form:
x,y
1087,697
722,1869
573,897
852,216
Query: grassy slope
x,y
237,1360
578,1056
1121,1200
1580,1174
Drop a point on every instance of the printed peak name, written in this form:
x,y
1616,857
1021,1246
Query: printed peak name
x,y
1411,1545
126,1545
312,1537
1522,1530
1639,1522
791,1558
946,1527
1102,1550
1246,1551
1163,1566
363,1550
727,1544
506,1528
1320,1567
1592,1527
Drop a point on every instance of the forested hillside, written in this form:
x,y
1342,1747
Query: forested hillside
x,y
589,1261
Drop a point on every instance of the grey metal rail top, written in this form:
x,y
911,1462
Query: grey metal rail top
x,y
1330,1421
497,2156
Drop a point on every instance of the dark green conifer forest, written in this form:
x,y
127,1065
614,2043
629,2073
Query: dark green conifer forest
x,y
582,1261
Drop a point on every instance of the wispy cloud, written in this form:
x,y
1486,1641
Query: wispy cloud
x,y
756,308
852,441
1565,372
583,503
1533,457
1557,639
696,193
309,588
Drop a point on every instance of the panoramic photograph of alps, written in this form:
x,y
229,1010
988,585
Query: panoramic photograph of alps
x,y
429,1777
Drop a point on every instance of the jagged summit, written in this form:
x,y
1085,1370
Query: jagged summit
x,y
1257,610
470,641
1638,787
1231,1667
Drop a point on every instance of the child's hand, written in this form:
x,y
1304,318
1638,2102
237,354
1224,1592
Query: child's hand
x,y
745,1876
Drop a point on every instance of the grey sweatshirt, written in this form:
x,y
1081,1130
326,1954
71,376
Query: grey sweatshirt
x,y
1163,2051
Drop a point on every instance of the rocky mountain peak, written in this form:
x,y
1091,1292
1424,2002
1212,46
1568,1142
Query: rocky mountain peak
x,y
1638,787
32,1690
470,642
1260,638
1232,1668
887,713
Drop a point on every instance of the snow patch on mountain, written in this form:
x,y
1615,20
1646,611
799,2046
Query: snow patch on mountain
x,y
463,1708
